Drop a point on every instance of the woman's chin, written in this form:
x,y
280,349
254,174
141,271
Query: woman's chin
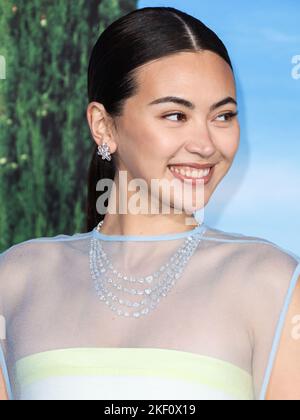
x,y
188,207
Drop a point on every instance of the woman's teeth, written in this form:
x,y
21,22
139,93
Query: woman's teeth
x,y
191,173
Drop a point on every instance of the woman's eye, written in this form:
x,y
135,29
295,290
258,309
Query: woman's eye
x,y
175,114
228,116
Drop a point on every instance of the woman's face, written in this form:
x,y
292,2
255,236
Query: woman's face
x,y
150,138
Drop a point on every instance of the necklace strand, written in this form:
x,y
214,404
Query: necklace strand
x,y
104,275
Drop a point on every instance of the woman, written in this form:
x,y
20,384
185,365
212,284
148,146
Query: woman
x,y
144,306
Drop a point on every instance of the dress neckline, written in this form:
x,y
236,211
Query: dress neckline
x,y
139,352
148,362
199,229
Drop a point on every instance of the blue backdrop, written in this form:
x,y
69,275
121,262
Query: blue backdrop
x,y
260,196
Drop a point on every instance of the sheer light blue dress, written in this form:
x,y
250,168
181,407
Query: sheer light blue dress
x,y
214,336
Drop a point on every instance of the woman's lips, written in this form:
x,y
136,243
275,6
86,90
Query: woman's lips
x,y
191,180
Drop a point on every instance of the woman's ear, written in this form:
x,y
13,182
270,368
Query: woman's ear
x,y
101,126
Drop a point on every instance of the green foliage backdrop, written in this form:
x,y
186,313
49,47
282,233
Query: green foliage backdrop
x,y
45,144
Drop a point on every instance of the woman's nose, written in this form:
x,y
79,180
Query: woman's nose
x,y
202,143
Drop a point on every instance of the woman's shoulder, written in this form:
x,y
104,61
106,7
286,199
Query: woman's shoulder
x,y
257,265
38,243
28,264
260,274
259,249
34,253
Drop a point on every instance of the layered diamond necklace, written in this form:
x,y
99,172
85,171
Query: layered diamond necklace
x,y
108,281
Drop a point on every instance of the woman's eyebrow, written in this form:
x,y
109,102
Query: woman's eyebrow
x,y
190,105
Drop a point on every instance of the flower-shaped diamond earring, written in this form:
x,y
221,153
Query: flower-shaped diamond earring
x,y
104,151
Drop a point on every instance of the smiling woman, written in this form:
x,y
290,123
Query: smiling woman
x,y
142,306
146,132
135,108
